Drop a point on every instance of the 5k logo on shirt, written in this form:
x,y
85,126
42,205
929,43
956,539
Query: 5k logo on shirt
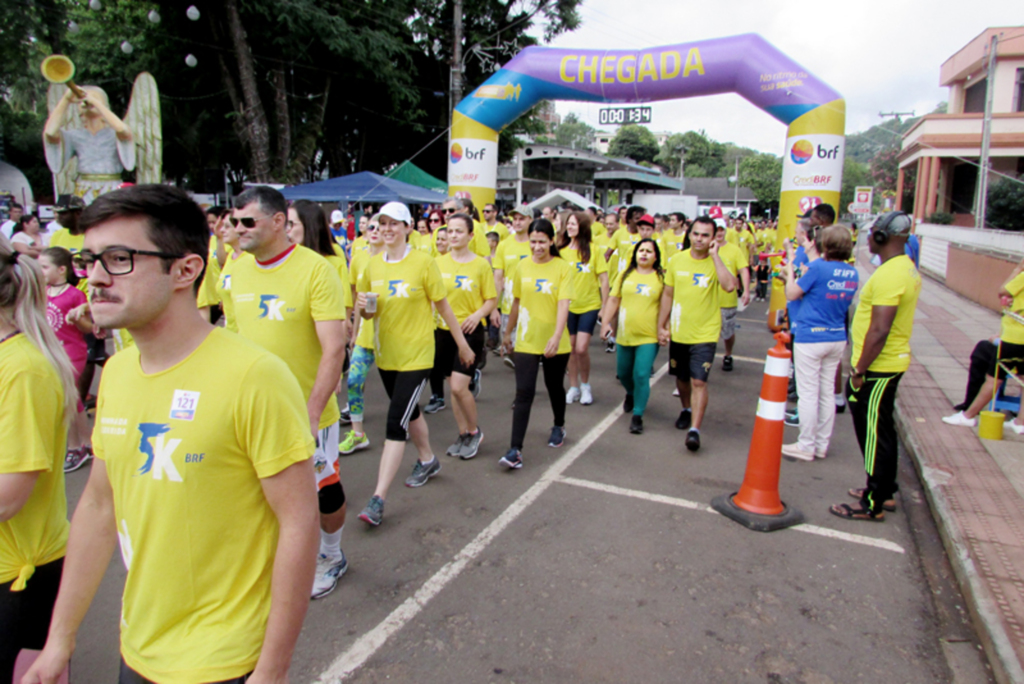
x,y
271,307
398,288
543,285
643,290
158,451
701,279
463,282
582,267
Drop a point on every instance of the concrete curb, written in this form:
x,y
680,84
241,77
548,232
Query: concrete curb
x,y
1006,667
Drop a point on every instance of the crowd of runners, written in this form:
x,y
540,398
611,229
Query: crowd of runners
x,y
236,333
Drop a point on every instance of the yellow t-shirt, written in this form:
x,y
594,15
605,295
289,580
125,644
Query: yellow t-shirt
x,y
508,254
671,244
360,244
122,339
360,259
732,236
894,283
640,299
185,451
207,295
586,283
622,243
1013,332
34,439
340,265
64,238
696,314
224,291
599,233
539,288
468,286
734,259
500,228
277,308
403,326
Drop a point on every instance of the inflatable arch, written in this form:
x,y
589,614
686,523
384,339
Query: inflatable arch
x,y
747,65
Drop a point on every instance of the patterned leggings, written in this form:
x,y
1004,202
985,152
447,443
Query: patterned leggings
x,y
362,361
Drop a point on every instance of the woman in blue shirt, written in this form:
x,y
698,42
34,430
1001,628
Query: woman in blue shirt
x,y
825,292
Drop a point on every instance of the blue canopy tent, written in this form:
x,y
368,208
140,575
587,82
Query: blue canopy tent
x,y
364,186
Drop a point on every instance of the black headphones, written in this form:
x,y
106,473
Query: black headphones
x,y
880,233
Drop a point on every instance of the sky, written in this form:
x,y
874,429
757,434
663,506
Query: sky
x,y
881,55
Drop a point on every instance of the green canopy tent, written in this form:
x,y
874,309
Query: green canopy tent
x,y
407,172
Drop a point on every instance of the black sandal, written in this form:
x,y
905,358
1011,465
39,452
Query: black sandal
x,y
849,513
858,494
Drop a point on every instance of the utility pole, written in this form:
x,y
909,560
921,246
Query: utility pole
x,y
456,74
986,137
736,186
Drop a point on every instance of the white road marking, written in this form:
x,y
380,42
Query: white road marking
x,y
883,544
368,644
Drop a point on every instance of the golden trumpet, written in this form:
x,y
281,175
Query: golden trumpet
x,y
60,69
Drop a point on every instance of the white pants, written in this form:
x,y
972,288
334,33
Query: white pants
x,y
816,364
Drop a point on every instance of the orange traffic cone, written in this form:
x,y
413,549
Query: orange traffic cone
x,y
757,504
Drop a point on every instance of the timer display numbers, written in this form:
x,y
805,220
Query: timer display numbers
x,y
624,115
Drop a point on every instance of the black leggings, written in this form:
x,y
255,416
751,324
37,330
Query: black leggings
x,y
25,615
527,367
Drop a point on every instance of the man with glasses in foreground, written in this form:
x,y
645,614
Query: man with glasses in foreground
x,y
216,591
289,300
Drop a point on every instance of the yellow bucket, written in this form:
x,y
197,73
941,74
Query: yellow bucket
x,y
990,424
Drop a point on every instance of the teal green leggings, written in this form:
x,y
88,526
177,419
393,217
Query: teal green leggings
x,y
634,372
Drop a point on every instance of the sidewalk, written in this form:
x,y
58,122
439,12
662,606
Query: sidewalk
x,y
975,487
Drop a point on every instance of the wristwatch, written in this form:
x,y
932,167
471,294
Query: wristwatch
x,y
856,374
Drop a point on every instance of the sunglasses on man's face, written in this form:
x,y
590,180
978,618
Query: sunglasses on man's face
x,y
449,211
247,221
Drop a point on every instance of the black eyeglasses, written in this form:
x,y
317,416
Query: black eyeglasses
x,y
117,261
435,220
247,221
450,211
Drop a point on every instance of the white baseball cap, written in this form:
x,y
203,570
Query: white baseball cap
x,y
397,211
337,216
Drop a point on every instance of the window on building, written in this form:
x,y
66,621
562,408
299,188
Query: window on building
x,y
974,98
1018,97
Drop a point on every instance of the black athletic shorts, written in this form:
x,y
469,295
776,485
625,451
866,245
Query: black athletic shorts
x,y
25,615
404,389
582,322
687,361
129,676
1012,356
97,349
447,358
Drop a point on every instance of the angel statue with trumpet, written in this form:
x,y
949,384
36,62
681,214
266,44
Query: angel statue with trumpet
x,y
87,146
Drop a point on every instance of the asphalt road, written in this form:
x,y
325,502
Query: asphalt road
x,y
601,562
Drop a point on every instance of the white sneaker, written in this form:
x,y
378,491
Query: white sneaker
x,y
959,418
572,395
1019,429
794,451
675,392
586,396
328,571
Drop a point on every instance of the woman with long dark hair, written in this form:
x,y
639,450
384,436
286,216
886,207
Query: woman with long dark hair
x,y
307,226
541,291
589,291
636,296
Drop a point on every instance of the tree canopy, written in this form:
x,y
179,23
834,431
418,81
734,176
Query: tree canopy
x,y
280,91
635,142
574,133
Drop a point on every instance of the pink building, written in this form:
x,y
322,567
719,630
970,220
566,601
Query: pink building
x,y
945,148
